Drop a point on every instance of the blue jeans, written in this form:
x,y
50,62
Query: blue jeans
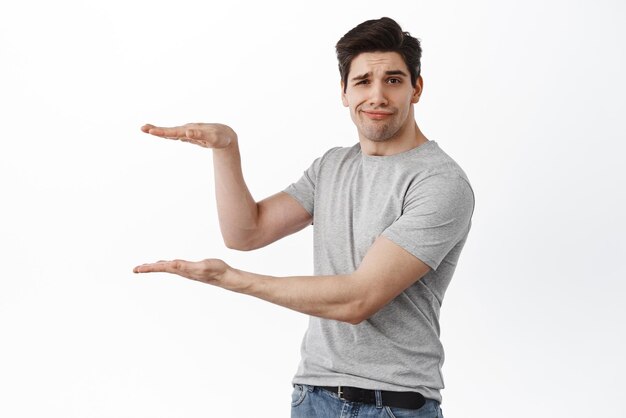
x,y
312,402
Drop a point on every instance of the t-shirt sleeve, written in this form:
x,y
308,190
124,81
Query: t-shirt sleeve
x,y
303,190
436,215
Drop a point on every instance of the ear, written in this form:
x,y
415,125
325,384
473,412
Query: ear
x,y
417,90
344,99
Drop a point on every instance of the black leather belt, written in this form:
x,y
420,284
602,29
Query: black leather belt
x,y
406,400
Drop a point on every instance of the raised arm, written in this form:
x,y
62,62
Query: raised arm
x,y
245,224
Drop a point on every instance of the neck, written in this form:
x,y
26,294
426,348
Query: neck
x,y
410,137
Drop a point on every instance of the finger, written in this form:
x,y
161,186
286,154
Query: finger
x,y
176,132
179,267
146,128
159,267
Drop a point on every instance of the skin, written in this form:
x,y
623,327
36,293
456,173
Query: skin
x,y
380,98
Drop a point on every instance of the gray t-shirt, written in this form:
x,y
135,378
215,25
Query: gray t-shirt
x,y
421,200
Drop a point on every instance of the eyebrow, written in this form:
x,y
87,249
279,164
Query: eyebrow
x,y
367,75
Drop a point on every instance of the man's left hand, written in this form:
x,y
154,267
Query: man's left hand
x,y
211,271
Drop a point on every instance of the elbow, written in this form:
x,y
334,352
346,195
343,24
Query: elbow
x,y
355,313
239,246
242,242
355,319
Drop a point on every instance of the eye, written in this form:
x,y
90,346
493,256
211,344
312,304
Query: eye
x,y
362,82
394,81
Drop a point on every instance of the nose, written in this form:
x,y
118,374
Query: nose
x,y
377,95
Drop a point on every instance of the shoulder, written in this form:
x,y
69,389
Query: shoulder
x,y
338,155
435,167
439,178
435,159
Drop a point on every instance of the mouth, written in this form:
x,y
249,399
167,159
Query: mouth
x,y
376,114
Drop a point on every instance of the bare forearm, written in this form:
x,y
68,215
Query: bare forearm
x,y
237,209
333,297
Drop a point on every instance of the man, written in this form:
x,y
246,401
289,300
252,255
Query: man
x,y
391,215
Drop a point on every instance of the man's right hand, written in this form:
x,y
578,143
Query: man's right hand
x,y
207,135
245,224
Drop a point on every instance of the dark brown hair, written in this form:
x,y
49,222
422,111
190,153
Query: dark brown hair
x,y
379,35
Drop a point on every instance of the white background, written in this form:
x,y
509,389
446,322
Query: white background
x,y
528,96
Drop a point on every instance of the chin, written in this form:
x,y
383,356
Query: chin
x,y
378,135
376,139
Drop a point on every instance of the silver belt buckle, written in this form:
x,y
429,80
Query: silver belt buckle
x,y
340,393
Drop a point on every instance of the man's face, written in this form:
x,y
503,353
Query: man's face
x,y
380,95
